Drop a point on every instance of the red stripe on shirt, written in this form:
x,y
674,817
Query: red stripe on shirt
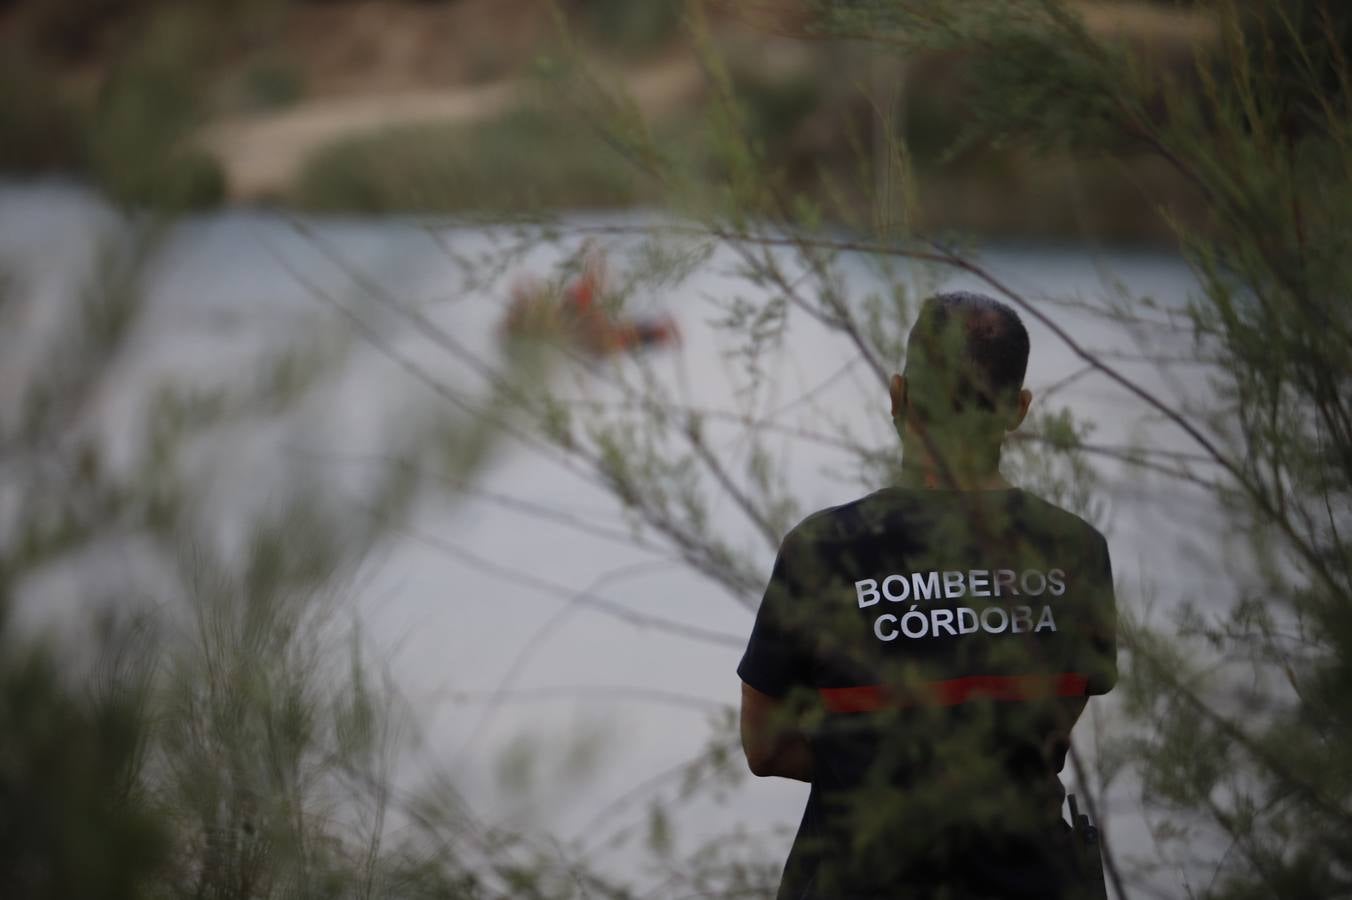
x,y
955,691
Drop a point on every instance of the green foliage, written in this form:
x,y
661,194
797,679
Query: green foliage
x,y
39,131
1272,257
132,134
777,107
271,85
1020,89
933,125
73,821
225,746
1236,729
1238,713
488,166
75,29
139,127
271,766
628,26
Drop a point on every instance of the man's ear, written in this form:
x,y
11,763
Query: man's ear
x,y
896,387
1025,400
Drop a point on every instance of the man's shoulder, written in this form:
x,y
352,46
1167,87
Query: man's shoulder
x,y
843,522
887,509
1057,520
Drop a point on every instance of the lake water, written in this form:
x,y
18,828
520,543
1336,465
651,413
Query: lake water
x,y
445,603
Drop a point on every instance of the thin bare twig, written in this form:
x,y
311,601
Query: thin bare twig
x,y
601,604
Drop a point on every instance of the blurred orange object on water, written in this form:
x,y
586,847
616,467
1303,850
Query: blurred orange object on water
x,y
578,316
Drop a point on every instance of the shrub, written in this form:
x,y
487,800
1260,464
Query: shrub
x,y
524,160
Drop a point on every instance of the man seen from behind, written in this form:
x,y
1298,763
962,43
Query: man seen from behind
x,y
921,654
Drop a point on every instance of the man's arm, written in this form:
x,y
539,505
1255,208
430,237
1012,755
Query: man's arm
x,y
1101,665
773,746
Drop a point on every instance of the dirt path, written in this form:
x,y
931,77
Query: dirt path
x,y
262,155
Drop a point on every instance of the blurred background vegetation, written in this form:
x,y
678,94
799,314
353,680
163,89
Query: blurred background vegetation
x,y
225,755
217,75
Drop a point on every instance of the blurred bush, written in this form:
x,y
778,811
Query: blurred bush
x,y
219,744
129,131
524,160
776,107
140,125
40,131
271,84
74,30
73,822
627,26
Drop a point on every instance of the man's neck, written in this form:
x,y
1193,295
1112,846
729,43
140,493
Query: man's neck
x,y
929,476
